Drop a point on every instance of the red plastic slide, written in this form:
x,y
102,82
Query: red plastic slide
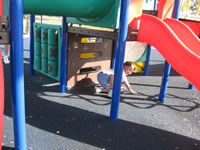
x,y
188,38
184,60
1,99
194,25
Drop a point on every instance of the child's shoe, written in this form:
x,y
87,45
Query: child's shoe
x,y
5,60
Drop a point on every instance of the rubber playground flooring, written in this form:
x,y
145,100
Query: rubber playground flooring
x,y
79,119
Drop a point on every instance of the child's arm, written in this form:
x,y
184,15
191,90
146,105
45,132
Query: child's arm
x,y
129,87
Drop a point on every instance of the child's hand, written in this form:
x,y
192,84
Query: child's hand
x,y
132,91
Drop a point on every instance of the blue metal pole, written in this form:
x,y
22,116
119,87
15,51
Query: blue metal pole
x,y
63,66
177,5
32,20
114,53
146,68
167,70
119,59
155,5
164,84
17,73
190,86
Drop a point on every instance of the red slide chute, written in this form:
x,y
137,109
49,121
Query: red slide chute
x,y
185,34
1,99
183,59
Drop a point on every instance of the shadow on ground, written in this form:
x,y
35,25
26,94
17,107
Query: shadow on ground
x,y
95,129
7,148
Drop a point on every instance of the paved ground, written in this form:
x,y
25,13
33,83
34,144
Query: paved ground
x,y
79,120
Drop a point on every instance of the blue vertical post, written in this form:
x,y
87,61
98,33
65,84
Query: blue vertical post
x,y
32,20
164,84
17,73
63,66
114,53
146,68
167,69
190,86
120,51
155,4
175,13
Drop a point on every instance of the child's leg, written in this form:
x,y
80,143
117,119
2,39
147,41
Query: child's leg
x,y
103,79
111,78
6,52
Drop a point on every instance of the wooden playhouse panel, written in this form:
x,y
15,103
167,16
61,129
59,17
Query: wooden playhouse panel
x,y
80,68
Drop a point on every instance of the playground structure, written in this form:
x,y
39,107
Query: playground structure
x,y
93,18
87,54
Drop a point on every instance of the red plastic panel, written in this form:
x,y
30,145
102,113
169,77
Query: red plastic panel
x,y
1,99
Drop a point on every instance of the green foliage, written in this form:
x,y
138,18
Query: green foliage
x,y
193,6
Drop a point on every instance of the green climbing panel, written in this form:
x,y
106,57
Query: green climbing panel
x,y
47,49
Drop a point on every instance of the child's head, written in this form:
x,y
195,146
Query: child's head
x,y
129,67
